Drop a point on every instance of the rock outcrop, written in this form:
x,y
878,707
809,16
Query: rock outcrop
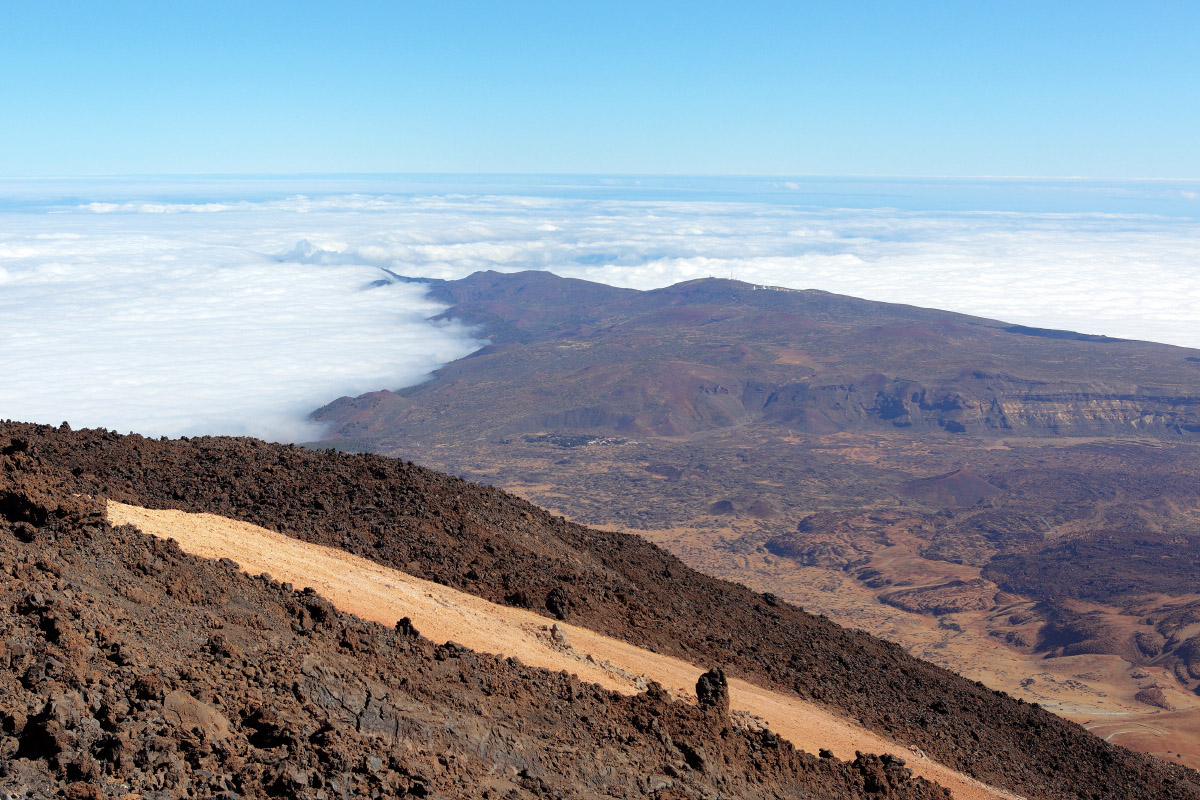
x,y
712,692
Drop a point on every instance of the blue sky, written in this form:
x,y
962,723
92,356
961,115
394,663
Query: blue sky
x,y
1046,89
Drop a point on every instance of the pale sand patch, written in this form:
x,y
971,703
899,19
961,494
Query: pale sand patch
x,y
381,594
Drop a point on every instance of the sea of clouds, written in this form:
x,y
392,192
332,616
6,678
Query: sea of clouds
x,y
240,314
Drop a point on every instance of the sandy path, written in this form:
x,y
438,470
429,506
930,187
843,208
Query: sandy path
x,y
374,592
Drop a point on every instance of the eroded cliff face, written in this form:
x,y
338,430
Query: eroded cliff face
x,y
986,405
676,403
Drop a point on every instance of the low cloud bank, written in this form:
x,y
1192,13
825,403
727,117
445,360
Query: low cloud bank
x,y
239,316
1132,276
188,330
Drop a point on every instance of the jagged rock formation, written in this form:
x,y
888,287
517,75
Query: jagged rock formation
x,y
712,692
493,545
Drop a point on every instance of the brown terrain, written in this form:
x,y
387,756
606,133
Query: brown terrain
x,y
1019,505
380,594
135,668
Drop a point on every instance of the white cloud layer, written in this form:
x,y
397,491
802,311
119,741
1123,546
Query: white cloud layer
x,y
179,329
242,315
1135,276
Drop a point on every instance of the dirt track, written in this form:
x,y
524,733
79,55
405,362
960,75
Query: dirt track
x,y
384,595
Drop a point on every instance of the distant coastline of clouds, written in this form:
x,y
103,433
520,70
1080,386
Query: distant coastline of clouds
x,y
239,314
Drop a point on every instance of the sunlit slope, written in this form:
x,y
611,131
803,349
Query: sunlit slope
x,y
385,595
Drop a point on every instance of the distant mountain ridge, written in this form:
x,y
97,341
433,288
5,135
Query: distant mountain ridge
x,y
713,353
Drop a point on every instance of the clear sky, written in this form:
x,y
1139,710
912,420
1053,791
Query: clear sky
x,y
1098,89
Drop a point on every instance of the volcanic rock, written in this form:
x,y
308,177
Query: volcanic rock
x,y
712,692
307,689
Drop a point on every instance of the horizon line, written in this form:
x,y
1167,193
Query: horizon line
x,y
601,175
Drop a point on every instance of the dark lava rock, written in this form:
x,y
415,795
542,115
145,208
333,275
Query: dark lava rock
x,y
712,691
142,621
265,708
1153,696
557,603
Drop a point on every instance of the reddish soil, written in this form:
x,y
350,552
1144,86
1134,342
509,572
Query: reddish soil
x,y
381,594
495,546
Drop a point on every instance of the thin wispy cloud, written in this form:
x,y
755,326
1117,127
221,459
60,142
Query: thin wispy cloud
x,y
235,315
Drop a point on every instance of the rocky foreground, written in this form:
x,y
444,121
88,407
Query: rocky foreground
x,y
134,670
131,668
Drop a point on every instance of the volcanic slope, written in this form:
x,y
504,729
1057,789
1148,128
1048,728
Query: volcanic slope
x,y
381,594
489,544
1017,504
133,670
710,354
